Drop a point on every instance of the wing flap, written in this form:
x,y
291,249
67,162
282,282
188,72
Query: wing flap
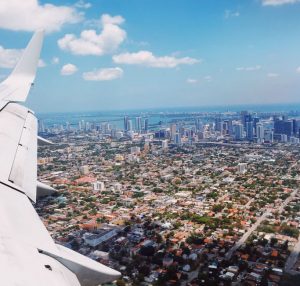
x,y
12,119
88,272
18,137
24,169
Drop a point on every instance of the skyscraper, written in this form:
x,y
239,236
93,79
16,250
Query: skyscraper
x,y
129,125
283,127
249,130
41,126
260,132
228,126
173,129
269,136
199,124
177,139
296,127
238,131
146,125
68,128
126,118
164,144
246,117
218,124
138,124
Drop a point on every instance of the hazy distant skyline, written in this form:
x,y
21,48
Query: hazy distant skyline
x,y
129,54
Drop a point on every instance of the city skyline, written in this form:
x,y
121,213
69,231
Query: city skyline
x,y
112,55
155,198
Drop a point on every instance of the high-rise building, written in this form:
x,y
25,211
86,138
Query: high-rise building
x,y
126,118
177,139
296,127
294,140
173,130
199,124
129,125
130,133
249,130
164,144
84,170
283,127
107,128
260,132
160,134
87,126
245,117
242,168
119,134
138,124
269,136
146,125
68,128
255,121
41,127
218,124
81,125
227,126
238,130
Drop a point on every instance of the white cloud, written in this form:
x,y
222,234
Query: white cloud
x,y
9,57
147,58
41,63
205,79
272,75
55,60
231,14
83,5
91,43
208,78
30,15
254,68
298,70
278,2
192,80
68,69
103,74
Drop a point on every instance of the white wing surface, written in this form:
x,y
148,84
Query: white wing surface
x,y
28,255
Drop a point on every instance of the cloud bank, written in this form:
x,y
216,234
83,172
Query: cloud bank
x,y
146,58
91,43
30,15
68,69
103,74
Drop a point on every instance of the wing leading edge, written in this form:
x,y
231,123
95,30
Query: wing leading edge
x,y
28,255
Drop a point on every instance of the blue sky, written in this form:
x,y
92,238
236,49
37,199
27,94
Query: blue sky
x,y
120,54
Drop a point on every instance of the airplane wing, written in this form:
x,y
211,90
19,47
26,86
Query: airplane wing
x,y
28,255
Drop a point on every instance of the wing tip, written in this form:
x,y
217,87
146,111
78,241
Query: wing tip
x,y
17,86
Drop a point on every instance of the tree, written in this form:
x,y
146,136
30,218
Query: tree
x,y
147,251
217,208
120,282
273,241
159,238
